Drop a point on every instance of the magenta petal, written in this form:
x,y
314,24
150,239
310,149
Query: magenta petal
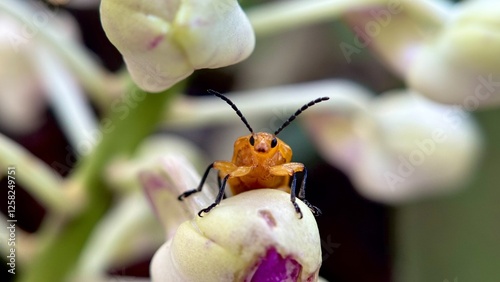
x,y
273,267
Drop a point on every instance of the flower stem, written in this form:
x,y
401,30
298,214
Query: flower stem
x,y
276,17
122,132
280,16
35,176
348,97
74,113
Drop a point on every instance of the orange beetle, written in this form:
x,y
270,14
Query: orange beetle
x,y
260,160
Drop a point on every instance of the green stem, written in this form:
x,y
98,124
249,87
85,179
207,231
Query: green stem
x,y
122,132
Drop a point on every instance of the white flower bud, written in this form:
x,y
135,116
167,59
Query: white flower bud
x,y
250,235
445,52
164,41
460,65
402,147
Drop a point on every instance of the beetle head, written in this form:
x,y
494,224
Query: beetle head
x,y
263,142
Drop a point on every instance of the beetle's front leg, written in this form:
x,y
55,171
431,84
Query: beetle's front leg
x,y
229,170
224,167
291,169
302,195
200,186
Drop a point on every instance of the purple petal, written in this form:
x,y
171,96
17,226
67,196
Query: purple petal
x,y
274,268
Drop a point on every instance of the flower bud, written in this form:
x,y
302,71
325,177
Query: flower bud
x,y
399,148
248,237
443,51
164,41
459,65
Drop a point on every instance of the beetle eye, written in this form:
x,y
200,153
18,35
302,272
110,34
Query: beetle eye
x,y
274,143
251,140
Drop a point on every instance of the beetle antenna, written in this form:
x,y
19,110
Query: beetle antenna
x,y
238,112
299,111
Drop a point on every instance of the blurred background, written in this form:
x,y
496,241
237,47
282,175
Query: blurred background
x,y
451,236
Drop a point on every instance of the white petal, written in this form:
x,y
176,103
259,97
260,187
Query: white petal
x,y
214,33
142,33
163,42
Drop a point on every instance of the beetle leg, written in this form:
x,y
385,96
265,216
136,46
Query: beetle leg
x,y
232,171
292,195
200,186
219,197
302,195
292,169
302,190
219,183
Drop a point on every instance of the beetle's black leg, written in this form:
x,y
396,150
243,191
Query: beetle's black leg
x,y
198,189
302,191
219,180
302,195
219,196
292,195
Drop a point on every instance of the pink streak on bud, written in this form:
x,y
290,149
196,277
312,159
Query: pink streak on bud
x,y
155,42
268,217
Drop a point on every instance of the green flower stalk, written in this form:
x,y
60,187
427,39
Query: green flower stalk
x,y
62,244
